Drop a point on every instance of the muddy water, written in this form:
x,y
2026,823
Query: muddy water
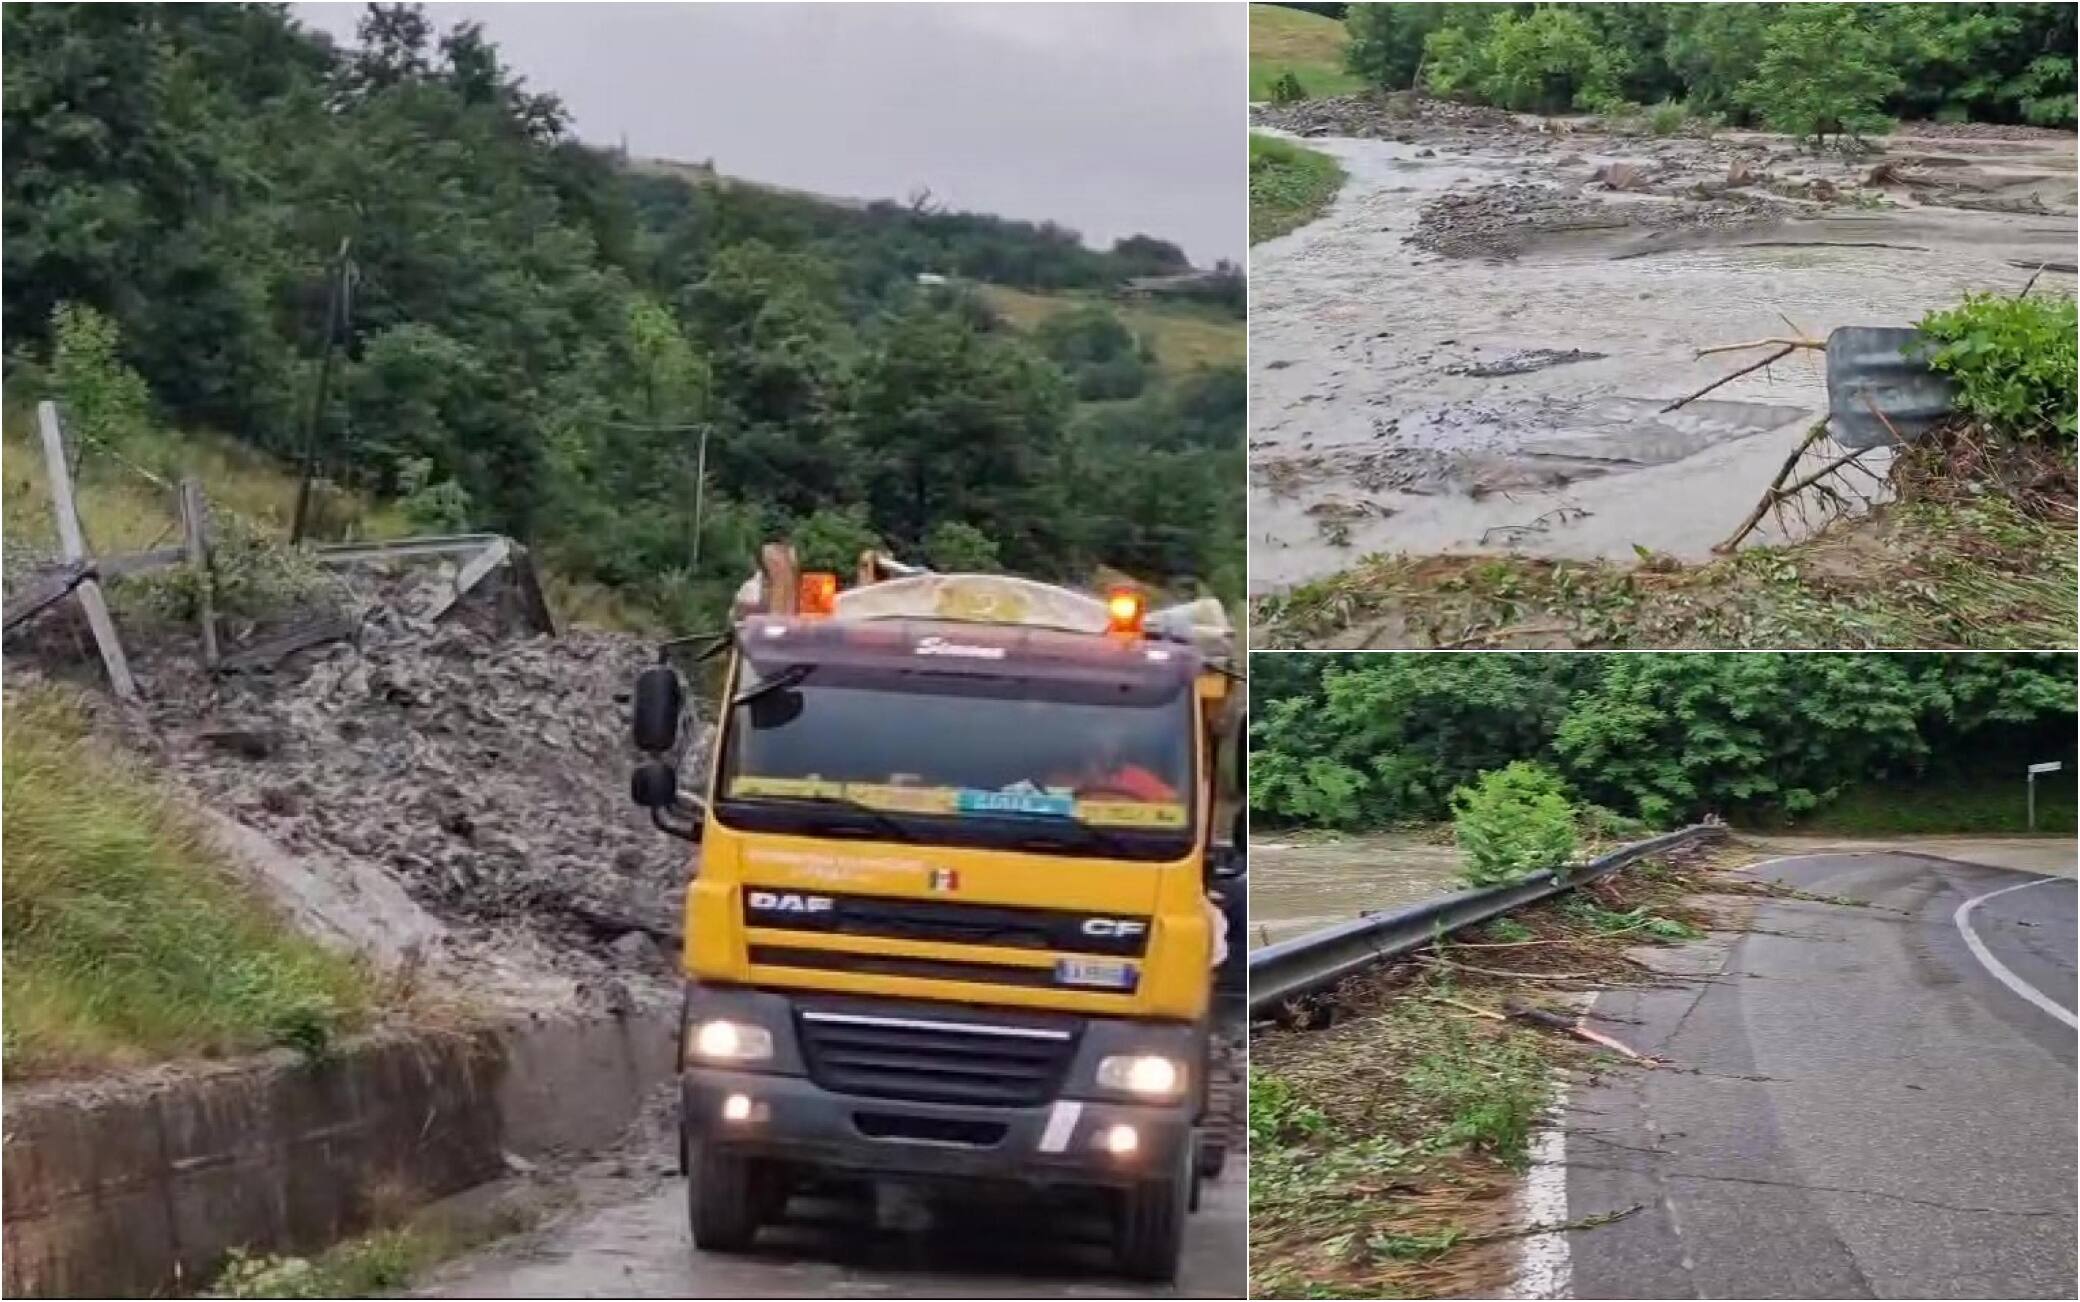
x,y
1380,423
1296,888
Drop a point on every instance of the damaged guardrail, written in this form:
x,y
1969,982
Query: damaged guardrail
x,y
1319,959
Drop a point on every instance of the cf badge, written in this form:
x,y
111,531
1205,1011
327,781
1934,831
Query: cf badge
x,y
945,881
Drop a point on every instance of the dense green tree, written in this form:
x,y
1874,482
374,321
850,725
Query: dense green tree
x,y
1366,741
1825,72
542,338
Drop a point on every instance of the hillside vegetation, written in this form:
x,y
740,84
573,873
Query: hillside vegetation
x,y
1806,69
1308,47
127,937
536,334
1767,738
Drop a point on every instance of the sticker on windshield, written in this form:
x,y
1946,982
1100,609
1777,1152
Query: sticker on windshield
x,y
971,801
792,788
1130,813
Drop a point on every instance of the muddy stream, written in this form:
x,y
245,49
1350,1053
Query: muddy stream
x,y
1495,384
1297,887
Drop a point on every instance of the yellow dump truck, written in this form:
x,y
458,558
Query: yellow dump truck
x,y
949,920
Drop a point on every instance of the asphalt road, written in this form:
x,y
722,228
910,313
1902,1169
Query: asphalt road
x,y
1856,1104
892,1246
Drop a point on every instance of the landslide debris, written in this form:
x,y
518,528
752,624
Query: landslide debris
x,y
482,767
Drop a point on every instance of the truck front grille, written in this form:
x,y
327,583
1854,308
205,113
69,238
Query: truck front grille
x,y
935,1060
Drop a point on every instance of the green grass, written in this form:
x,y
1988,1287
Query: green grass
x,y
1310,46
122,510
1185,338
1990,804
127,939
1977,575
1289,186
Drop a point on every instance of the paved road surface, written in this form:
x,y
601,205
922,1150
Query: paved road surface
x,y
638,1247
1858,1105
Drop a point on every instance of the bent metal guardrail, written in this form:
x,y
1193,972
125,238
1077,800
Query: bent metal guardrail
x,y
1319,959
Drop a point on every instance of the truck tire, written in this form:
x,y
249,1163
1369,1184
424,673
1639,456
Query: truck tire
x,y
720,1207
1152,1217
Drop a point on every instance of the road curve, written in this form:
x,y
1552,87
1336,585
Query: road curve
x,y
638,1246
1867,1100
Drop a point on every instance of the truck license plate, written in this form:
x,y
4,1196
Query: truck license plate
x,y
1094,972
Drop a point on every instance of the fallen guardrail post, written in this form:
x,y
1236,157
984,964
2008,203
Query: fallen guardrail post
x,y
1303,965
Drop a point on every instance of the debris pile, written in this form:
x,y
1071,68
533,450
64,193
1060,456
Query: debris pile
x,y
484,771
1368,116
1504,219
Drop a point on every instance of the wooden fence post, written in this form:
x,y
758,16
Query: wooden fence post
x,y
74,545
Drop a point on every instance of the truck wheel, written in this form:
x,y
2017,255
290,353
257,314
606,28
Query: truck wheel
x,y
720,1207
1151,1223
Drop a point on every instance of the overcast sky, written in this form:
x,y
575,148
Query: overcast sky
x,y
1110,119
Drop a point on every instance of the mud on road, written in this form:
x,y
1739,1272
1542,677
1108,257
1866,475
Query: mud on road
x,y
622,1232
1469,351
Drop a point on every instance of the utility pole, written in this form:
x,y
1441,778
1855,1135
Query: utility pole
x,y
338,309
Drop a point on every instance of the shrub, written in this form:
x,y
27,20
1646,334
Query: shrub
x,y
2013,359
1277,1114
1514,820
102,397
956,547
1667,118
1288,89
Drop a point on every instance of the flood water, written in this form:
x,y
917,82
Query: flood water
x,y
1296,888
1405,401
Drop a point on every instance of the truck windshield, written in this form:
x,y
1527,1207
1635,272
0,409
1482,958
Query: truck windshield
x,y
1074,768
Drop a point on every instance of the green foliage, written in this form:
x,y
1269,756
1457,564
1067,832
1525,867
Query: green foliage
x,y
832,540
1489,1095
1289,186
126,937
99,395
1508,931
1103,359
956,548
1386,42
1825,72
1287,89
1370,741
2014,361
433,506
1514,820
1805,68
536,324
1277,1114
1667,118
1550,61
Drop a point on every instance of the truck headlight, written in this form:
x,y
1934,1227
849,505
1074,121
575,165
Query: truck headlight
x,y
726,1041
1146,1074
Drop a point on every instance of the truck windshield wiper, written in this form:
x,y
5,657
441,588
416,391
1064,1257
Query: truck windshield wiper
x,y
1079,833
865,813
786,678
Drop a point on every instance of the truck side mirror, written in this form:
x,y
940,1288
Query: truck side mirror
x,y
659,700
654,785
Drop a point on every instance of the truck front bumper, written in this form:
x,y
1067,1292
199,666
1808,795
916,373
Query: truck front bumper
x,y
1066,1142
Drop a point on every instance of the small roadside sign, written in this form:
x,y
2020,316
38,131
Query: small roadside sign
x,y
2051,767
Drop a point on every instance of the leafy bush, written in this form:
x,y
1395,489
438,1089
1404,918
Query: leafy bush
x,y
1667,118
100,396
1277,1114
1288,89
1825,72
1515,820
2014,361
956,548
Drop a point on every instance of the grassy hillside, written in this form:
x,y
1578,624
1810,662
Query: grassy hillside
x,y
1307,45
127,939
1184,338
1289,186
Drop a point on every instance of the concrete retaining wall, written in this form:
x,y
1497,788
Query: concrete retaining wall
x,y
143,1185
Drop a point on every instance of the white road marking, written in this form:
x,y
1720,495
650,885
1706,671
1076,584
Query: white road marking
x,y
1999,969
1544,1268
